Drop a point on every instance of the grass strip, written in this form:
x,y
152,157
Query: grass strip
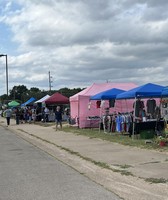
x,y
98,163
156,180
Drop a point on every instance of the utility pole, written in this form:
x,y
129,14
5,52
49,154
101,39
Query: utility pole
x,y
50,81
1,55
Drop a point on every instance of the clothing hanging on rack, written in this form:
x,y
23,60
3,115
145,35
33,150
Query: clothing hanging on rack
x,y
98,103
151,106
139,105
111,103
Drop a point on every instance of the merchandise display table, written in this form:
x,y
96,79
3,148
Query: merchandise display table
x,y
148,125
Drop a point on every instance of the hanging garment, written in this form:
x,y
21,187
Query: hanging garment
x,y
113,123
139,106
128,121
111,103
151,106
98,103
118,123
122,123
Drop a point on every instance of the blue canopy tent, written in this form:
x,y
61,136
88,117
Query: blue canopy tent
x,y
165,92
145,91
30,101
148,90
107,95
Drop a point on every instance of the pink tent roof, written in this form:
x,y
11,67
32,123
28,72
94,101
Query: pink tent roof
x,y
57,98
95,88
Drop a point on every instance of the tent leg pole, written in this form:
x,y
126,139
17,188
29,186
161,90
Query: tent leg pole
x,y
100,118
133,128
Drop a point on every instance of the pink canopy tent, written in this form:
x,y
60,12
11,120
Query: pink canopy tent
x,y
80,101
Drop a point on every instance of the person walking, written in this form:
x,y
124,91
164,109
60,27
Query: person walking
x,y
58,117
8,114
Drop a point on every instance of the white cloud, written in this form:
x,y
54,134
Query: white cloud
x,y
82,42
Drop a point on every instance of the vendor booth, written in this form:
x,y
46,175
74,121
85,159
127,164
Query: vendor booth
x,y
39,107
146,115
40,101
13,104
107,94
29,102
86,113
164,104
54,100
107,120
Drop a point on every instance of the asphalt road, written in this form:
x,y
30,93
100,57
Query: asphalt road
x,y
28,173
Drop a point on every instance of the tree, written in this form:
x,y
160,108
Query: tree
x,y
3,98
22,94
69,92
19,92
35,92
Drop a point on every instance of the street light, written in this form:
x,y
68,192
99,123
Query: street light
x,y
1,55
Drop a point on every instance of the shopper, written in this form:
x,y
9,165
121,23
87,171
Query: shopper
x,y
29,115
26,115
8,114
17,113
47,112
34,116
58,117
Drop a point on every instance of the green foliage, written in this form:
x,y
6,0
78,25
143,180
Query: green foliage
x,y
22,94
115,137
156,180
35,92
69,92
19,92
161,139
4,97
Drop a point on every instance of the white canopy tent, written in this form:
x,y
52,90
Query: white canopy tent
x,y
42,99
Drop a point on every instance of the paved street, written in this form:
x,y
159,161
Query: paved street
x,y
82,154
28,173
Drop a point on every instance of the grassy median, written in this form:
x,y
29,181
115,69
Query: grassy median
x,y
120,138
124,139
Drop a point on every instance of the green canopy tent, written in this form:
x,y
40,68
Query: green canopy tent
x,y
13,104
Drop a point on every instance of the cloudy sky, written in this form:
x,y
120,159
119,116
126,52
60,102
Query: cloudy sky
x,y
83,41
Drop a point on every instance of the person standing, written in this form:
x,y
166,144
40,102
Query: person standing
x,y
47,112
34,116
58,117
17,113
8,114
26,115
29,115
67,114
21,116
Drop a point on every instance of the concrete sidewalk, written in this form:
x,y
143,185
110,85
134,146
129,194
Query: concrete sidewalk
x,y
142,164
